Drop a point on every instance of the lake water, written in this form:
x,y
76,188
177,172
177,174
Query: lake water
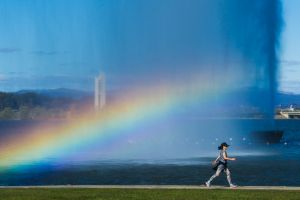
x,y
259,164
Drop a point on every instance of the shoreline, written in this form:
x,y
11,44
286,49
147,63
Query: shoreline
x,y
179,187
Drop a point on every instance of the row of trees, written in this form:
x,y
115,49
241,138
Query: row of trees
x,y
14,106
30,99
37,113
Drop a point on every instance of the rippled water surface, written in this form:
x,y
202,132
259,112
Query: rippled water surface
x,y
257,164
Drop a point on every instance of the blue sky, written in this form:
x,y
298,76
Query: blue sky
x,y
42,45
51,44
290,66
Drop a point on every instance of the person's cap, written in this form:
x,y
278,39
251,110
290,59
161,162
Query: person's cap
x,y
224,144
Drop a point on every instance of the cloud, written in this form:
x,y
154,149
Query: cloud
x,y
290,62
45,53
9,50
74,64
48,53
19,73
290,86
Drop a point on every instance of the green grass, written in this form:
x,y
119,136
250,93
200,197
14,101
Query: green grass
x,y
143,194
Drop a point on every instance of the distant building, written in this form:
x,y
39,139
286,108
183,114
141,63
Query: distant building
x,y
100,93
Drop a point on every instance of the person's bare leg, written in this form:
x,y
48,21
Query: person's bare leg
x,y
227,171
213,177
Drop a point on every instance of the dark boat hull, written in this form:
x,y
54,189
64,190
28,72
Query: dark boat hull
x,y
269,136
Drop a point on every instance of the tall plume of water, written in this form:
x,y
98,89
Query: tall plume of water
x,y
232,45
254,28
229,46
220,40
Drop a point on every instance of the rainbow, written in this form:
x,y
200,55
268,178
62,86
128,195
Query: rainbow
x,y
106,128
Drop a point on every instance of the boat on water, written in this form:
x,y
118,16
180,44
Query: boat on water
x,y
290,113
268,136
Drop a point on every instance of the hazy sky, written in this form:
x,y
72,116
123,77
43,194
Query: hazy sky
x,y
50,44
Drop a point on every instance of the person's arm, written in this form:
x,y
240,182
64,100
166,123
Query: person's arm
x,y
227,158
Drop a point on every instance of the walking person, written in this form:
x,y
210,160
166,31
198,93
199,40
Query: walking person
x,y
221,165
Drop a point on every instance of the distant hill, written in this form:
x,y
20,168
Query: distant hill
x,y
233,98
286,99
59,93
60,98
42,104
62,102
255,97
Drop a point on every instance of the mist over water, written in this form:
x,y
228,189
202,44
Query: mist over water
x,y
228,48
231,45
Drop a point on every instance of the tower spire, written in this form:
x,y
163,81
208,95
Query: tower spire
x,y
100,92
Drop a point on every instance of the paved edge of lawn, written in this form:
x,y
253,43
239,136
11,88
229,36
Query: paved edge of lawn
x,y
152,187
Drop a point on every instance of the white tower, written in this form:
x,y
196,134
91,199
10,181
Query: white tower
x,y
100,95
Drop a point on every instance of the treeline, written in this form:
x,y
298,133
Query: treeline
x,y
18,106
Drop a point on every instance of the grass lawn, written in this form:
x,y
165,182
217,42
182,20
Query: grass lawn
x,y
143,194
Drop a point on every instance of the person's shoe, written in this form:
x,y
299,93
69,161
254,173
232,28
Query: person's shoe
x,y
233,186
207,184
